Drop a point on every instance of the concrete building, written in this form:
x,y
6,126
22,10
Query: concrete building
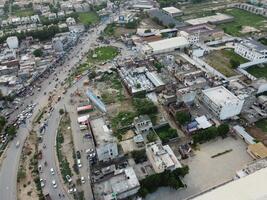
x,y
251,50
166,45
122,184
142,124
172,11
241,132
222,102
162,157
107,152
219,18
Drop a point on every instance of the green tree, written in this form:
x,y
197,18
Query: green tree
x,y
182,117
61,111
11,130
223,130
139,156
144,106
234,63
38,52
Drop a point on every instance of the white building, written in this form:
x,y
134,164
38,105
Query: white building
x,y
172,11
142,124
222,102
166,45
251,50
107,152
12,42
162,157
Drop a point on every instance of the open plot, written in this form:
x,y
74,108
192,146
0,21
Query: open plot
x,y
24,13
103,53
242,19
88,18
221,61
206,172
258,71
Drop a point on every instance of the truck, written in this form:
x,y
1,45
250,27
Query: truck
x,y
47,197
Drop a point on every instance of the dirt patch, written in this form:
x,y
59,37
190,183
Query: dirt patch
x,y
25,178
248,29
258,134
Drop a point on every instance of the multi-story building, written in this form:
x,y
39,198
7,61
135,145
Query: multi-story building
x,y
223,103
251,50
142,124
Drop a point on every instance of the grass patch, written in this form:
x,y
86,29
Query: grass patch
x,y
258,71
24,13
221,61
88,18
166,133
39,116
242,18
101,54
262,124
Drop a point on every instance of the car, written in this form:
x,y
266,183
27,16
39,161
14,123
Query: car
x,y
79,163
52,171
68,178
71,190
42,182
83,180
78,154
40,168
54,184
89,150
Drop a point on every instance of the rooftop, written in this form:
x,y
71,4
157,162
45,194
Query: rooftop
x,y
171,10
168,43
219,17
220,95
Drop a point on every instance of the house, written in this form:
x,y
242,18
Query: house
x,y
107,152
172,11
161,157
142,124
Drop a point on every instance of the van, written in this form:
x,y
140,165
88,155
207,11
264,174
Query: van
x,y
17,144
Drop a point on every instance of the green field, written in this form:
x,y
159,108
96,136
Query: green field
x,y
242,18
24,13
221,61
101,54
258,72
88,18
262,124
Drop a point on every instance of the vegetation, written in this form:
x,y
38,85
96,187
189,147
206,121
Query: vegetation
x,y
11,131
263,41
122,119
258,71
101,54
144,106
132,25
38,52
183,117
139,156
2,122
61,111
151,136
110,29
262,124
166,133
211,133
88,18
165,179
158,66
242,18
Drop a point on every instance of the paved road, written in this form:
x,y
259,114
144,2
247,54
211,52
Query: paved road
x,y
8,171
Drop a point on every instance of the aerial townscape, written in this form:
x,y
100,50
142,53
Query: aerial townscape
x,y
133,99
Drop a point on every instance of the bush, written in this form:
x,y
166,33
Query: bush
x,y
144,106
61,111
182,117
223,130
151,137
139,156
38,52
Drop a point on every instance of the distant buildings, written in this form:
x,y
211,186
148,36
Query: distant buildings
x,y
251,50
162,157
222,102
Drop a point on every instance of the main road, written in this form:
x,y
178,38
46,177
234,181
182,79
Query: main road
x,y
8,171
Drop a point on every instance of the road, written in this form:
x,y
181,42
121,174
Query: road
x,y
8,171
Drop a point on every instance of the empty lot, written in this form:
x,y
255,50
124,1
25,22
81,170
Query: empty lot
x,y
206,172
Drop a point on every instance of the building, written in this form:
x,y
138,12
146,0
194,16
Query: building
x,y
223,103
142,124
219,18
257,151
125,17
123,183
107,152
241,132
172,11
251,50
252,186
162,157
166,45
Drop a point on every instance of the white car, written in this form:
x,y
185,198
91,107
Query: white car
x,y
68,178
42,182
54,184
52,171
83,180
71,190
79,163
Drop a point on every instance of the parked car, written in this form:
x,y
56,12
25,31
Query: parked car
x,y
78,154
79,163
54,184
42,182
52,171
83,180
68,178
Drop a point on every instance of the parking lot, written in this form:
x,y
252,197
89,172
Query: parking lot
x,y
206,172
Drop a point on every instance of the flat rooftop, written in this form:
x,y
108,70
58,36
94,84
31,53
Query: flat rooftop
x,y
220,95
219,17
250,187
171,10
169,43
